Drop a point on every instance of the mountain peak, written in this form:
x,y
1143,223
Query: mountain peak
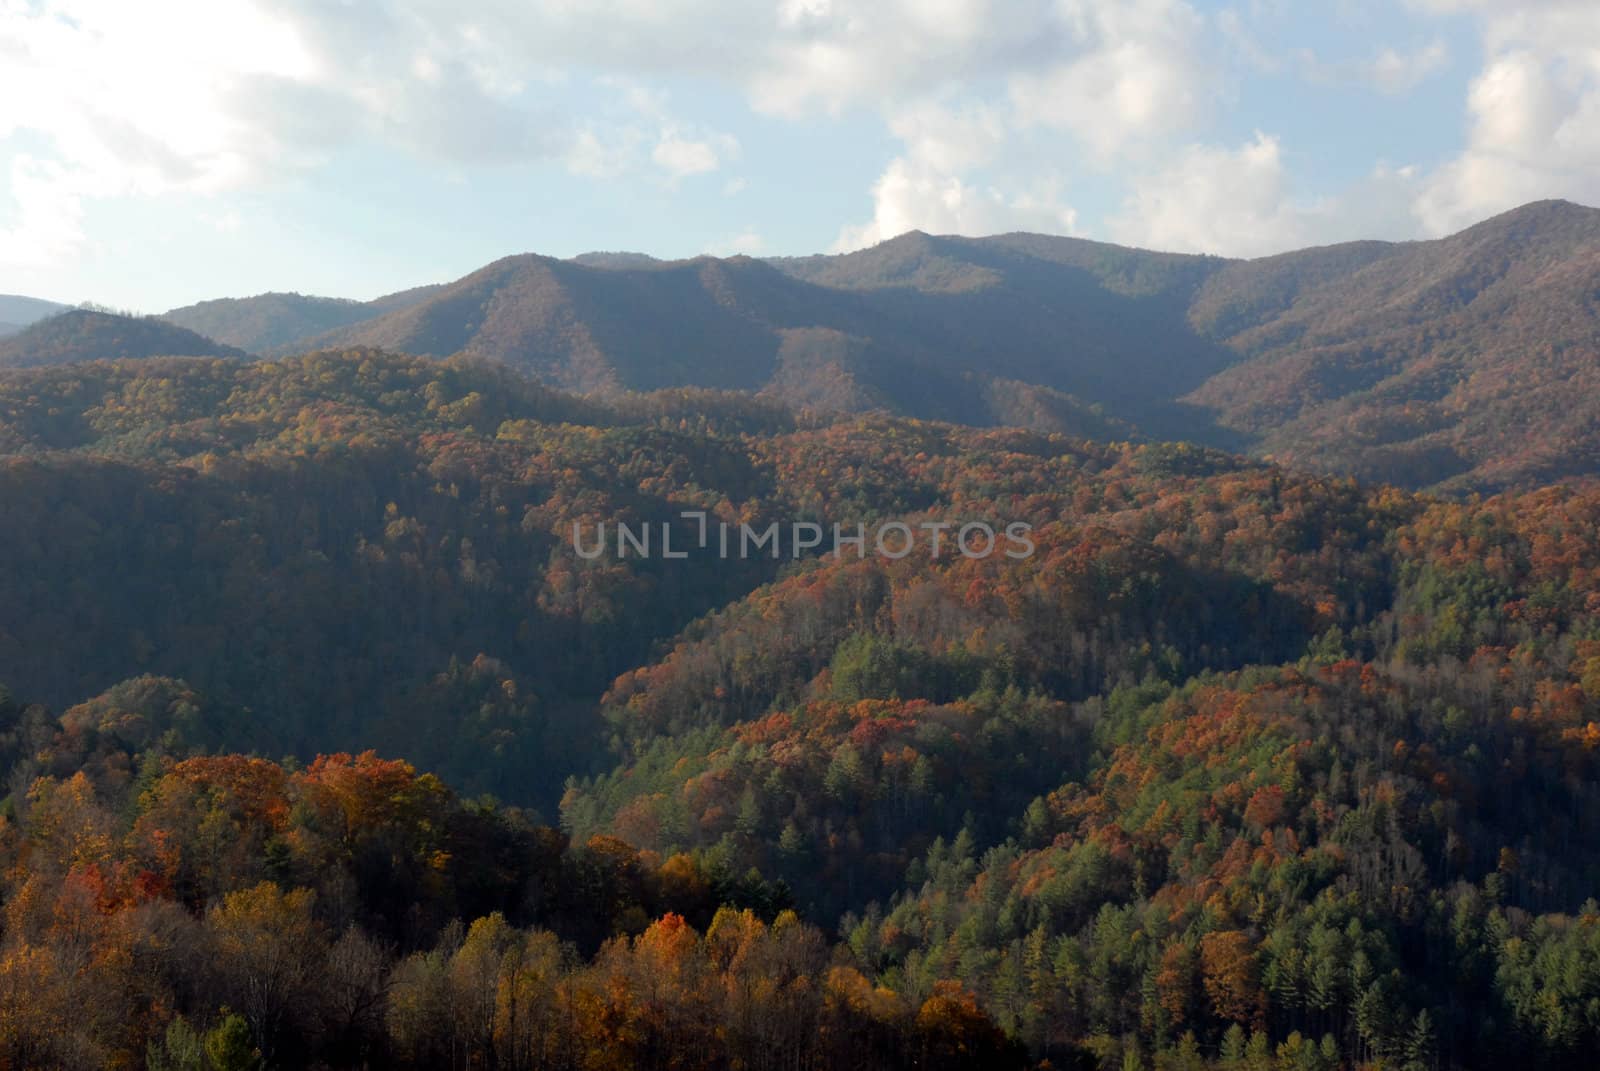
x,y
912,239
1549,206
1556,218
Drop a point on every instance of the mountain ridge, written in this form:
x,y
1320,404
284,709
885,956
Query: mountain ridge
x,y
1468,362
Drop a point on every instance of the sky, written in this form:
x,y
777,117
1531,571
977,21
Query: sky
x,y
157,153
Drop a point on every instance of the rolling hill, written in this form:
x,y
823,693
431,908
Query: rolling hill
x,y
278,322
88,335
266,321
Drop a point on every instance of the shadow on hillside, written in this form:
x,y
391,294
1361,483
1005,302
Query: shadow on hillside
x,y
1057,326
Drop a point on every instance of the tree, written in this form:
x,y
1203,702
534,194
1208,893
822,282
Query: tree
x,y
269,954
181,1048
953,1032
228,1047
1229,973
1419,1043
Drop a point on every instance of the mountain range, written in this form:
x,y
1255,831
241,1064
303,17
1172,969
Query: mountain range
x,y
1468,362
1237,767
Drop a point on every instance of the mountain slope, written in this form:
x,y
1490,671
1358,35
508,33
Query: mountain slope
x,y
590,328
922,326
1472,360
86,335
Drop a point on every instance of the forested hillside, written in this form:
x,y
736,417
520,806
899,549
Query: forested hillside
x,y
92,335
1468,362
324,746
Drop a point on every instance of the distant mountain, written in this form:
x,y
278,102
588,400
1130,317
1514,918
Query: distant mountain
x,y
922,326
1470,361
274,322
18,312
88,335
9,329
268,320
590,328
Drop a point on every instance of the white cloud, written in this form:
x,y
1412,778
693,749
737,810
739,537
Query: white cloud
x,y
1137,73
1119,79
49,215
1215,200
1533,113
911,195
832,54
1399,72
214,95
992,104
747,242
638,132
603,152
204,96
1242,202
949,139
681,153
140,101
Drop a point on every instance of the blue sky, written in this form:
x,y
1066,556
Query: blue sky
x,y
159,153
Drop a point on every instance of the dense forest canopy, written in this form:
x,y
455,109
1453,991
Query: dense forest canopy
x,y
321,745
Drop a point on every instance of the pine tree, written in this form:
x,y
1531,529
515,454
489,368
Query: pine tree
x,y
1419,1043
1233,1046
